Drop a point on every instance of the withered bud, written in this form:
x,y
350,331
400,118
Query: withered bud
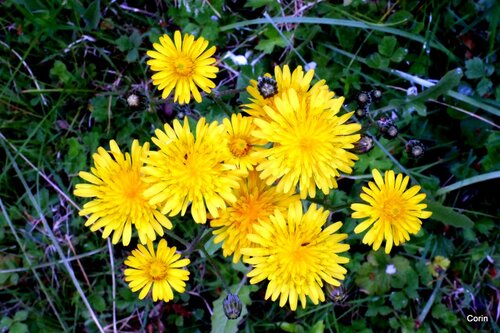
x,y
362,111
376,94
364,98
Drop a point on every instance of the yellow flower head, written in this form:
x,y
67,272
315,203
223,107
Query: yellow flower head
x,y
296,255
191,170
241,143
255,202
183,64
117,189
161,271
285,80
309,142
392,211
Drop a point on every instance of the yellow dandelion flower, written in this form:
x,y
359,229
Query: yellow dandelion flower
x,y
117,188
191,170
284,80
255,202
309,142
392,212
296,255
160,272
241,143
183,64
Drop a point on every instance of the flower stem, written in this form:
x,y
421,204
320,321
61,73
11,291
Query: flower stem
x,y
216,269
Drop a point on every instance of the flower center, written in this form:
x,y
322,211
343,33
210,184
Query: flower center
x,y
239,147
391,208
157,270
184,66
131,185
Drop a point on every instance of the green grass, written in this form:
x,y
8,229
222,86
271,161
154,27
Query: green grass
x,y
68,67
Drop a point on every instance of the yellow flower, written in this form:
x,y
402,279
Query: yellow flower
x,y
117,189
309,142
183,64
241,143
296,255
285,79
161,271
393,211
191,170
255,202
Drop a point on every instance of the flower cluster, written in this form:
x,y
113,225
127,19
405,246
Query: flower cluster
x,y
249,176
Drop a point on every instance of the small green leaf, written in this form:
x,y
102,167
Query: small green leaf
x,y
399,55
123,43
387,45
21,315
5,323
92,14
319,327
375,60
132,55
484,86
60,71
474,68
18,328
448,216
398,300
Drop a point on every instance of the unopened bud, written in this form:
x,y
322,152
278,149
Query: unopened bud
x,y
362,111
415,148
232,306
376,94
364,145
267,86
387,127
133,100
364,98
336,294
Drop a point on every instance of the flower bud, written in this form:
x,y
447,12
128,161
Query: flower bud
x,y
376,94
232,306
415,148
387,128
364,145
267,86
336,294
362,111
364,98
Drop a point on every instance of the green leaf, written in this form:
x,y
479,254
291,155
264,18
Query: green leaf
x,y
92,14
273,39
449,81
448,216
60,71
123,43
18,328
484,86
132,56
387,45
21,315
398,300
5,323
474,68
319,327
399,55
375,60
220,323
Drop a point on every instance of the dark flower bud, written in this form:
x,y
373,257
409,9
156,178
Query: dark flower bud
x,y
268,87
415,148
364,145
336,294
387,128
364,98
362,111
376,94
232,306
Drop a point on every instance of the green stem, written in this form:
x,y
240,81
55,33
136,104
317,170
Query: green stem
x,y
216,269
430,301
469,181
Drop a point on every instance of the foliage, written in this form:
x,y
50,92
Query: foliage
x,y
67,71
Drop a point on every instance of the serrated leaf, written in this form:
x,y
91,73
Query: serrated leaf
x,y
387,45
448,216
449,81
474,68
220,323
